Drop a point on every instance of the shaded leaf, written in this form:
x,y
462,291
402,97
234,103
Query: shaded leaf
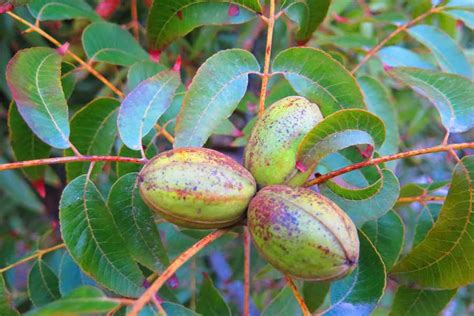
x,y
449,55
136,223
108,42
93,239
283,304
34,78
25,144
395,56
85,300
307,14
359,293
415,302
425,221
68,78
6,304
51,10
387,236
452,95
144,105
443,259
177,310
210,301
168,21
142,70
213,95
337,131
320,78
379,102
466,17
71,276
226,128
314,294
93,132
43,286
150,151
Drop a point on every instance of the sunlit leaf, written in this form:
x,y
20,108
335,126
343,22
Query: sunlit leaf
x,y
169,20
136,223
25,144
387,236
210,301
93,239
70,275
449,55
415,302
110,43
444,258
308,14
337,131
51,10
34,78
320,78
142,70
93,132
43,286
144,105
82,301
395,56
359,293
6,306
453,95
283,304
213,95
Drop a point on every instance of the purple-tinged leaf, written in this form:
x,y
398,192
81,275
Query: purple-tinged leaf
x,y
34,78
144,105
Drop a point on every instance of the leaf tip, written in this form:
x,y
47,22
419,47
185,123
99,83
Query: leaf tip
x,y
177,64
40,187
63,49
237,133
340,19
233,10
106,8
173,282
367,152
301,167
179,14
6,7
154,55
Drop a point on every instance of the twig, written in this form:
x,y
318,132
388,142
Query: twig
x,y
87,66
376,161
162,130
268,53
246,271
135,25
58,160
420,199
39,253
299,298
172,268
397,31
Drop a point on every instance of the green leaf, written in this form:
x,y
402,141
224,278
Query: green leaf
x,y
53,10
43,286
415,302
320,78
425,221
359,293
85,300
34,78
136,223
94,241
142,70
6,305
144,105
337,131
379,102
395,56
461,4
443,259
210,301
449,55
362,210
68,78
314,294
226,128
93,132
466,17
387,236
177,310
213,95
108,42
168,21
452,95
283,304
307,14
71,276
25,145
151,151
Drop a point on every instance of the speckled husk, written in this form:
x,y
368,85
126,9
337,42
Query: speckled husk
x,y
196,187
270,154
302,233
